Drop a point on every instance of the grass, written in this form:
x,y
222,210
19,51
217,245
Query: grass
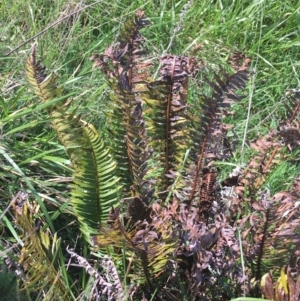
x,y
32,159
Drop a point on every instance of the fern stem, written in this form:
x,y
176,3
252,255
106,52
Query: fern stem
x,y
198,169
262,244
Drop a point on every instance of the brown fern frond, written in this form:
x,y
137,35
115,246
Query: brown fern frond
x,y
286,288
290,136
207,192
138,211
210,141
274,230
239,61
271,145
266,148
207,251
167,113
151,246
289,130
128,71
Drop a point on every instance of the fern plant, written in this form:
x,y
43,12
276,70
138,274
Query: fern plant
x,y
173,231
155,113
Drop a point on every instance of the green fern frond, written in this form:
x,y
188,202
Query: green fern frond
x,y
94,189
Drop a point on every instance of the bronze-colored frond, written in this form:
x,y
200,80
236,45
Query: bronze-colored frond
x,y
128,73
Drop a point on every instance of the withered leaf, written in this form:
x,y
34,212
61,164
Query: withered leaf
x,y
267,287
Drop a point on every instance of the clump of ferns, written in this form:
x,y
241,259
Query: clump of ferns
x,y
170,224
158,122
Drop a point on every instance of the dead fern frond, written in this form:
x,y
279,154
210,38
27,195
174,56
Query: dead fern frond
x,y
210,141
103,286
286,288
274,229
36,256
